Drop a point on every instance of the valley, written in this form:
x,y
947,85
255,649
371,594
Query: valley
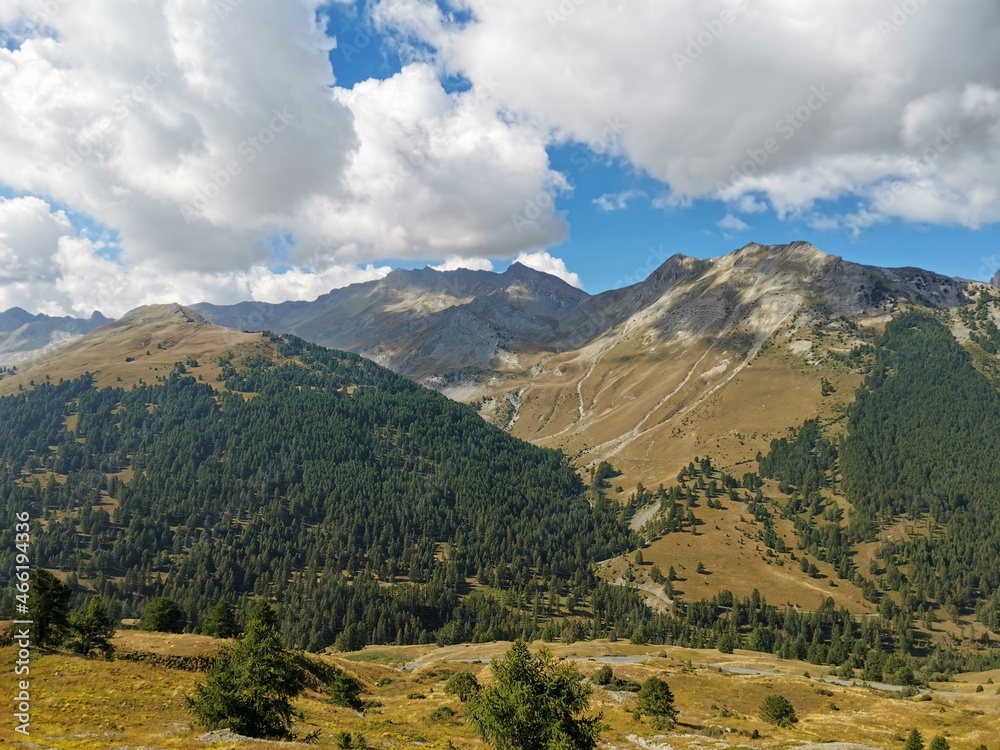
x,y
685,478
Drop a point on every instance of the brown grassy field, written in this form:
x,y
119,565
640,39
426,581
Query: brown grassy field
x,y
154,339
95,705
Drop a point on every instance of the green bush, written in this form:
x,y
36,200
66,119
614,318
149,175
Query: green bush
x,y
603,676
163,615
443,715
462,684
776,709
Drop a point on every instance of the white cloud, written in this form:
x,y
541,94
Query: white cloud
x,y
472,264
749,204
29,232
546,263
437,175
690,91
70,274
616,201
730,225
196,131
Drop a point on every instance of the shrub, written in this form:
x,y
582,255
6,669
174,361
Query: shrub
x,y
603,676
443,715
462,684
776,709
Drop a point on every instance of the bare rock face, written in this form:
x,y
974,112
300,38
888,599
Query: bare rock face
x,y
996,279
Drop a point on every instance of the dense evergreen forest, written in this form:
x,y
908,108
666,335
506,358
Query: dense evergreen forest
x,y
318,479
924,442
922,452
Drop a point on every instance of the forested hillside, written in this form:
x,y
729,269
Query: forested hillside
x,y
317,479
923,448
924,441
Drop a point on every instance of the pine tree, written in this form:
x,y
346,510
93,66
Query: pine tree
x,y
914,741
535,702
163,615
655,699
776,709
93,629
249,688
220,622
48,608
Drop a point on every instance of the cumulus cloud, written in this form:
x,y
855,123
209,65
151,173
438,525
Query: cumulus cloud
x,y
63,273
546,263
438,175
472,264
196,133
689,92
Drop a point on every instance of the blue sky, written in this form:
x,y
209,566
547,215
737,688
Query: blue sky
x,y
432,127
613,248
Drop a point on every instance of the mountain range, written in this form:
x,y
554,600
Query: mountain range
x,y
24,336
441,326
715,355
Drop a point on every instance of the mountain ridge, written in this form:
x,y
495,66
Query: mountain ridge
x,y
24,336
437,325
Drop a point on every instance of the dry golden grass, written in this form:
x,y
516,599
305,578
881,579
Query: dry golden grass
x,y
651,407
155,339
727,545
94,704
167,644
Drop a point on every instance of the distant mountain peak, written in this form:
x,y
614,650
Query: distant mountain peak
x,y
996,279
165,313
